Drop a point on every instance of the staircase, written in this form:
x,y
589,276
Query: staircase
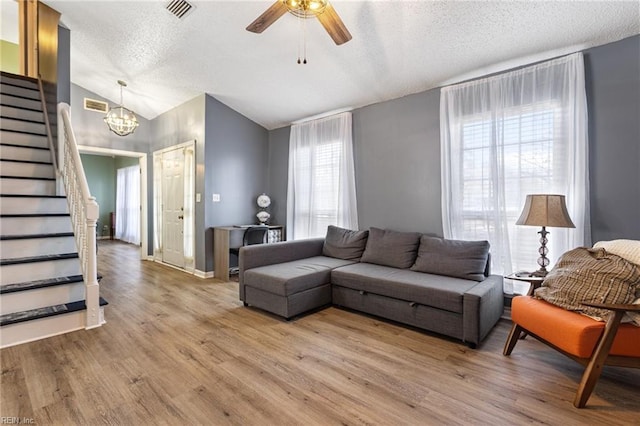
x,y
42,290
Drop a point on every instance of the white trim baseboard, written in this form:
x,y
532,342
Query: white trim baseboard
x,y
201,274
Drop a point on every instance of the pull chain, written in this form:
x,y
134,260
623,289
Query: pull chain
x,y
304,38
302,27
299,31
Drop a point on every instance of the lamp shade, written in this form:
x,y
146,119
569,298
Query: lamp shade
x,y
545,210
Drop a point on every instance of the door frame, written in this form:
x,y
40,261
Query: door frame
x,y
157,256
142,160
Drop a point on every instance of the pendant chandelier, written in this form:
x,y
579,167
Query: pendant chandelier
x,y
121,121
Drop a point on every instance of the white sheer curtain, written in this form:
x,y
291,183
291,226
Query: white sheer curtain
x,y
128,204
157,204
503,137
321,188
189,188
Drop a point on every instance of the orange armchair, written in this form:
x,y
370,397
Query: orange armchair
x,y
591,343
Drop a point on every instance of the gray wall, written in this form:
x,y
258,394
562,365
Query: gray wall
x,y
236,168
278,171
91,130
64,64
613,94
231,160
397,161
397,152
181,124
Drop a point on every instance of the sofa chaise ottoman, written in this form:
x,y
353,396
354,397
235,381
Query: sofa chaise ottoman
x,y
439,285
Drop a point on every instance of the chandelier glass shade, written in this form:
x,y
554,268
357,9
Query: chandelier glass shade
x,y
305,8
121,121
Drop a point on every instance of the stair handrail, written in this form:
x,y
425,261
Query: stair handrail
x,y
84,212
47,125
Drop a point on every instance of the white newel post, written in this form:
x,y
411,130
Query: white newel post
x,y
92,288
84,212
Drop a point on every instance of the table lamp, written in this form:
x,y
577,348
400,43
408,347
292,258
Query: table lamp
x,y
544,210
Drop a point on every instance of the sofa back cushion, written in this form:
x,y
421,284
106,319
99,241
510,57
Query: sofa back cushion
x,y
391,248
453,258
344,244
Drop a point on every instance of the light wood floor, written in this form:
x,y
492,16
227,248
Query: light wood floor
x,y
181,350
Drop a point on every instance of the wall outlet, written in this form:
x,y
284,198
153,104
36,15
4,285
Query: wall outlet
x,y
216,198
198,197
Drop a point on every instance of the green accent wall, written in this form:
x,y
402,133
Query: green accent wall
x,y
9,57
101,177
101,172
122,162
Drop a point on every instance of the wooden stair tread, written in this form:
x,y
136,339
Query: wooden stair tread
x,y
34,259
34,215
26,178
45,312
24,146
32,285
32,196
22,131
47,163
35,236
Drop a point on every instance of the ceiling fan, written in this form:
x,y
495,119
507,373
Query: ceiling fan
x,y
321,9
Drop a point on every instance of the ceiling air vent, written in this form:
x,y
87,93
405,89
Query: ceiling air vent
x,y
179,8
97,106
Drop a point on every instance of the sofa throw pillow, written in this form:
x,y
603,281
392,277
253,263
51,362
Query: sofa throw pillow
x,y
344,243
391,248
453,258
590,275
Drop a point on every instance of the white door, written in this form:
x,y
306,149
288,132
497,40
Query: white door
x,y
173,207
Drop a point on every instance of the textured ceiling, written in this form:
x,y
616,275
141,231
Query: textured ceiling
x,y
398,48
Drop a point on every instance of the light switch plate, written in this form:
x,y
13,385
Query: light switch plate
x,y
216,198
198,197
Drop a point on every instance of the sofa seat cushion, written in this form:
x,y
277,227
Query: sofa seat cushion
x,y
427,289
293,277
573,333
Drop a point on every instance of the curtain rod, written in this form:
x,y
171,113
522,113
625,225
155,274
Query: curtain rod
x,y
323,115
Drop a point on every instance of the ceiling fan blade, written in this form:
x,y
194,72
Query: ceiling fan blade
x,y
334,25
270,16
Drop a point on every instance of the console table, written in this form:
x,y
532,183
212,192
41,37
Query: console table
x,y
225,237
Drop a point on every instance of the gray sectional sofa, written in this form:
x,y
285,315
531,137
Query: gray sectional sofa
x,y
439,285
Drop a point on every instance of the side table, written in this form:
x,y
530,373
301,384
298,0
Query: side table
x,y
534,282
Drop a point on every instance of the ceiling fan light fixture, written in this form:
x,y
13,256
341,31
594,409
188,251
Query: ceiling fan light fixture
x,y
305,8
120,120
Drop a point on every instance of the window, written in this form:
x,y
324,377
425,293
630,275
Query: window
x,y
321,179
128,204
511,135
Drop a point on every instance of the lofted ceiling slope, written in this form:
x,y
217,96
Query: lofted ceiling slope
x,y
398,48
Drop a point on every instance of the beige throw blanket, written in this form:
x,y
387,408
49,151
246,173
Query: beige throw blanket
x,y
590,275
